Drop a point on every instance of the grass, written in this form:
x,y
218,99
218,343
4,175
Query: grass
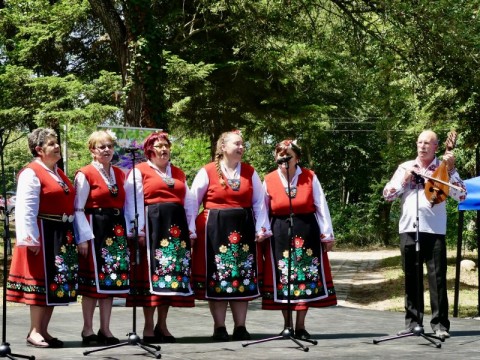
x,y
388,294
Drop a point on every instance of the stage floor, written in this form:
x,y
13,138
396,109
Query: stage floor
x,y
341,332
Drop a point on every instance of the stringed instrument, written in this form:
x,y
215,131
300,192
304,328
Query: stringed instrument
x,y
437,191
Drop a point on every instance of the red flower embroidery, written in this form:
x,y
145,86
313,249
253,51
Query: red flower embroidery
x,y
319,283
175,231
179,278
53,287
234,237
280,286
69,236
298,242
235,283
302,286
155,277
118,230
124,276
101,276
211,283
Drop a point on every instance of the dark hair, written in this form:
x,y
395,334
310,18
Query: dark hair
x,y
284,145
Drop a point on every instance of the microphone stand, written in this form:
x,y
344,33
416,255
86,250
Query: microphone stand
x,y
5,351
133,338
287,332
417,330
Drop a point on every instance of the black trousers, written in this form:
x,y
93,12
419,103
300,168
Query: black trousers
x,y
433,253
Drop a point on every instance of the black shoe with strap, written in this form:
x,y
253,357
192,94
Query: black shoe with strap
x,y
220,334
302,334
240,333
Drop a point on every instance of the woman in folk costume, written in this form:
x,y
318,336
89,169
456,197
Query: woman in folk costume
x,y
233,220
162,279
44,265
312,237
101,237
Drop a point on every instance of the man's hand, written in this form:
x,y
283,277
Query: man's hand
x,y
449,159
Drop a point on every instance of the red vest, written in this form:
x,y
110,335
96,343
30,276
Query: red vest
x,y
100,196
218,197
302,203
53,200
155,190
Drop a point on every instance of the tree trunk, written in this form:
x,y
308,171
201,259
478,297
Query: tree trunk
x,y
136,109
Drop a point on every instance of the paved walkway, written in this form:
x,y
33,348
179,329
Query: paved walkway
x,y
342,332
350,268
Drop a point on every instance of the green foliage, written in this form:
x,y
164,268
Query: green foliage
x,y
190,154
353,82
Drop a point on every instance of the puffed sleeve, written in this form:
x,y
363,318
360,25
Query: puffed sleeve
x,y
262,223
189,202
199,189
26,209
130,204
322,213
83,229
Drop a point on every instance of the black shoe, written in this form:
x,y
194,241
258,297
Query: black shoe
x,y
220,334
55,343
107,340
87,340
152,339
302,334
240,333
405,332
169,339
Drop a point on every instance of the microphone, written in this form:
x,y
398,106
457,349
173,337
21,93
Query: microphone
x,y
283,160
131,149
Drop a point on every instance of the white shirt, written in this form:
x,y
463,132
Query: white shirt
x,y
200,186
27,205
431,220
322,213
130,204
83,229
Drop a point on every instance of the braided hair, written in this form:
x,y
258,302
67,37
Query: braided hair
x,y
224,137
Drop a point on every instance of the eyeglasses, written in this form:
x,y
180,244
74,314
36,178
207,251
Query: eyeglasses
x,y
103,147
159,146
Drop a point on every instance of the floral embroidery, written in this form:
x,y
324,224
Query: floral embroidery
x,y
234,237
114,272
65,280
304,280
172,268
235,267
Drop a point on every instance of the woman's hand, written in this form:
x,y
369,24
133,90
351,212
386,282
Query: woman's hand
x,y
83,248
34,249
260,238
328,246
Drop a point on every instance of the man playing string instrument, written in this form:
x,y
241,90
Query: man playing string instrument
x,y
432,222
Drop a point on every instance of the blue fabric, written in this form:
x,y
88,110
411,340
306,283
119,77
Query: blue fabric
x,y
472,202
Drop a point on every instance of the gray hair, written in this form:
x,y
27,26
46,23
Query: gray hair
x,y
38,137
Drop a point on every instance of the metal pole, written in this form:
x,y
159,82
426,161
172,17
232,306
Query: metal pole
x,y
458,262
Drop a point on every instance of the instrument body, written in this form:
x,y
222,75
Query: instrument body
x,y
437,187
